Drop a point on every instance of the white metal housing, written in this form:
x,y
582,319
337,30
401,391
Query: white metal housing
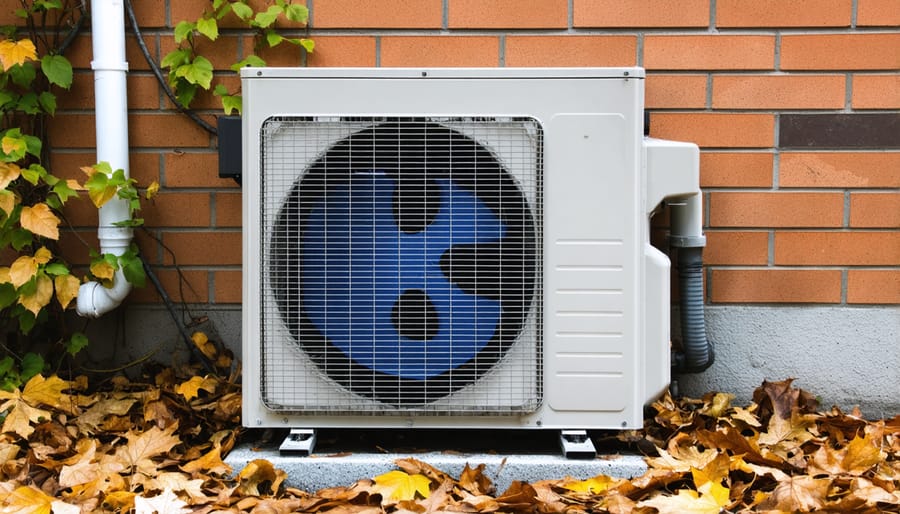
x,y
592,347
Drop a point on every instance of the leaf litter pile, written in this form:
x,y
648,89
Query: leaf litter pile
x,y
157,447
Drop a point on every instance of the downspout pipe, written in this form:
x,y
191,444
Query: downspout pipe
x,y
111,105
686,234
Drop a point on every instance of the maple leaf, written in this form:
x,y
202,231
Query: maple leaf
x,y
16,52
143,447
28,500
800,493
191,388
9,171
165,503
91,419
595,485
66,289
474,481
683,454
210,461
398,486
22,406
40,220
855,459
710,501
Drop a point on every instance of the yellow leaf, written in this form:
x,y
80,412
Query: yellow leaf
x,y
8,201
28,500
21,417
191,388
862,454
22,270
43,255
66,289
40,220
123,501
209,462
46,391
595,485
103,270
41,296
74,184
255,473
688,502
16,52
4,275
101,196
143,447
8,172
400,486
152,189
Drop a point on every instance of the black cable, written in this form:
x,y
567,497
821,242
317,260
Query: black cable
x,y
158,73
181,329
74,31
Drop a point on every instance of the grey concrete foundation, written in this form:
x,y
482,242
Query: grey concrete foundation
x,y
321,471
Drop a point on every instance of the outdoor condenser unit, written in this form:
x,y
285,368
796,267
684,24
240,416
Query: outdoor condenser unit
x,y
454,248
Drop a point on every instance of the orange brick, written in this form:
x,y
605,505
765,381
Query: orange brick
x,y
675,91
148,14
508,14
80,53
228,286
778,91
190,286
571,50
165,130
840,169
874,286
228,209
837,248
776,209
222,53
871,51
775,286
452,51
877,13
144,167
874,210
343,51
732,169
283,55
712,130
177,209
400,14
80,213
204,248
187,169
876,91
641,13
728,247
778,13
192,9
73,131
709,52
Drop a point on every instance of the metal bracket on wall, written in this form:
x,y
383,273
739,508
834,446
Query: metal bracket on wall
x,y
300,442
576,444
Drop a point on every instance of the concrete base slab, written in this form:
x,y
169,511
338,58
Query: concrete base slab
x,y
320,471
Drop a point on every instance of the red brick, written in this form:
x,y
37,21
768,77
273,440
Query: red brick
x,y
177,209
451,51
144,167
641,13
876,91
355,14
142,91
571,50
148,14
776,209
733,169
729,247
675,91
165,130
716,130
778,91
228,209
837,248
342,51
228,286
508,14
778,13
875,210
190,286
80,213
204,248
187,169
775,286
709,52
873,286
80,53
873,51
72,131
877,13
839,169
75,246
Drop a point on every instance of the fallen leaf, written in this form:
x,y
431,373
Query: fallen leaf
x,y
799,493
28,500
191,389
398,485
165,503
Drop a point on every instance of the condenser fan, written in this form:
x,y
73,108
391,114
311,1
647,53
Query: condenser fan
x,y
410,261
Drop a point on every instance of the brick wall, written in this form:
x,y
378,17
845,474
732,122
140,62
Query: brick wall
x,y
796,107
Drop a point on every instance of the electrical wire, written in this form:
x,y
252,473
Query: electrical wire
x,y
158,73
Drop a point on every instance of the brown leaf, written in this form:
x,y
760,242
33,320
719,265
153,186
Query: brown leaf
x,y
474,480
256,473
143,447
210,462
28,500
799,493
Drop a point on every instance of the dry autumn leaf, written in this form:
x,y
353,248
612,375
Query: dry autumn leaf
x,y
398,486
191,389
40,220
9,171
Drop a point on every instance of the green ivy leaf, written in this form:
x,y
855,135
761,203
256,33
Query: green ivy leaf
x,y
250,60
28,103
34,173
185,92
208,27
133,222
21,238
77,343
184,30
231,103
32,363
132,267
48,102
58,70
199,72
268,17
176,58
5,98
8,296
33,146
56,268
242,10
23,74
308,44
63,191
296,12
273,38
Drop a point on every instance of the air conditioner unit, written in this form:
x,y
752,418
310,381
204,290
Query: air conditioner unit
x,y
453,248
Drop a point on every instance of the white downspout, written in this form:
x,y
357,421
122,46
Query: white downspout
x,y
111,105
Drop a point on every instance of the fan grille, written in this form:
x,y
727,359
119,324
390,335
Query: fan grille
x,y
400,264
